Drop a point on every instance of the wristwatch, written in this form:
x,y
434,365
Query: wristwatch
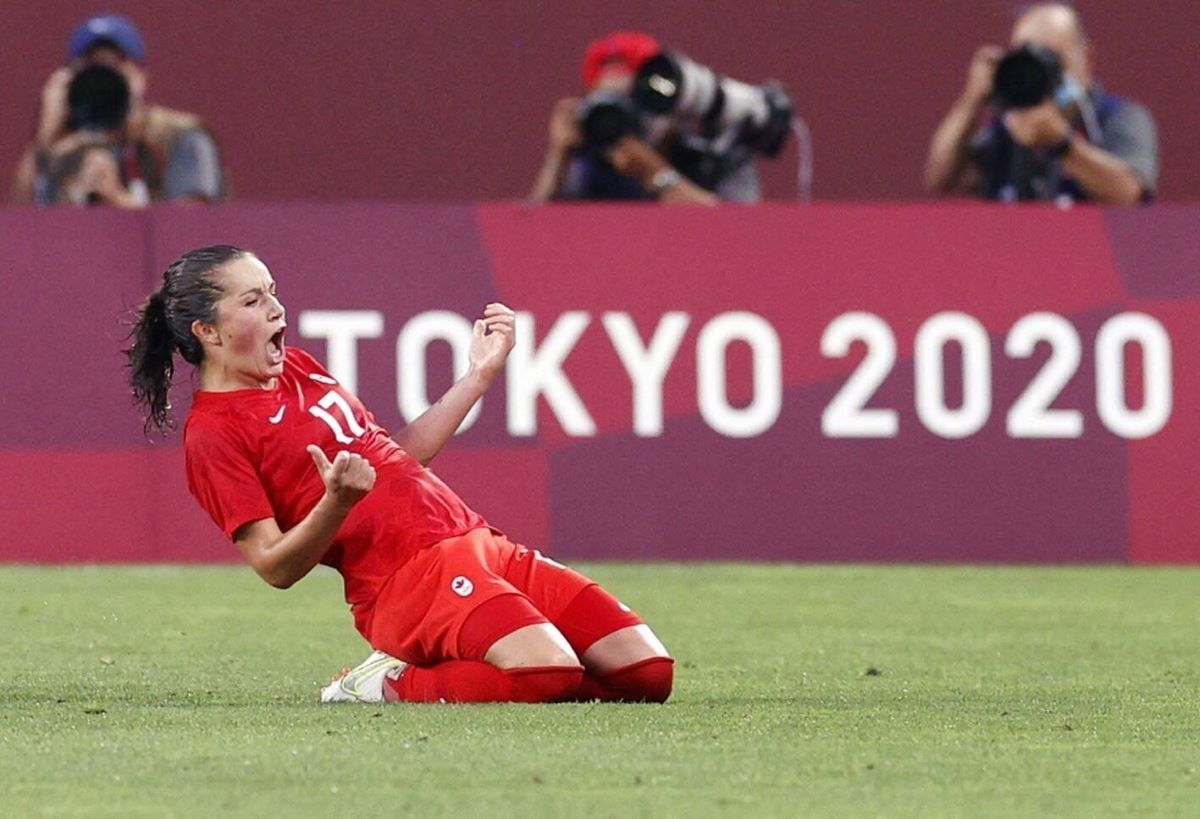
x,y
664,180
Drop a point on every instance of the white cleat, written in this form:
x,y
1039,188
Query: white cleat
x,y
364,682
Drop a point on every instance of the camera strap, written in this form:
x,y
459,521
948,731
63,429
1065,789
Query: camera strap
x,y
131,170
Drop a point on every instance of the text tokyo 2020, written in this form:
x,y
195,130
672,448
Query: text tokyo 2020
x,y
535,371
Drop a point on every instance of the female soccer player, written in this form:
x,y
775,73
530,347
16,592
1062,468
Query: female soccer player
x,y
295,470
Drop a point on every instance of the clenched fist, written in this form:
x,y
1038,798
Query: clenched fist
x,y
348,478
492,339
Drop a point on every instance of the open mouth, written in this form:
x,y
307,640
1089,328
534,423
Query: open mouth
x,y
275,345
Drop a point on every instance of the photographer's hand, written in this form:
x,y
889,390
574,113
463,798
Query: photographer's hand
x,y
1038,127
633,157
99,176
946,166
565,136
981,74
52,121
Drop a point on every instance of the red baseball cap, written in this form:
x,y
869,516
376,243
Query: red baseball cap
x,y
632,48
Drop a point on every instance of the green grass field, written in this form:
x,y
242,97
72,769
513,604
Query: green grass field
x,y
800,691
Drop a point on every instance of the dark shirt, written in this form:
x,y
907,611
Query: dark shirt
x,y
1012,172
589,176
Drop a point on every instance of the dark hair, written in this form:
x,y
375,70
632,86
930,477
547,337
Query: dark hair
x,y
189,293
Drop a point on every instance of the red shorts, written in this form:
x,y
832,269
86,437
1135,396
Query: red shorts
x,y
420,610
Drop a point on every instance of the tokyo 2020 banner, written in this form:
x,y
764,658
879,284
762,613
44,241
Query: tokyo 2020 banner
x,y
832,382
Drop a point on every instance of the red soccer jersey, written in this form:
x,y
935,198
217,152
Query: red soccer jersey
x,y
246,460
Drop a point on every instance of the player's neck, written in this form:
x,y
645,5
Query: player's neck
x,y
217,378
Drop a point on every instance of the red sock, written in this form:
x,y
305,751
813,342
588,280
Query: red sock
x,y
473,681
649,680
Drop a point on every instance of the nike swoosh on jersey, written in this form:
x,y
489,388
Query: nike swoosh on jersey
x,y
277,417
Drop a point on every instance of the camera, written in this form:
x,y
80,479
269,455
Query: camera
x,y
605,116
97,99
1027,76
726,110
732,119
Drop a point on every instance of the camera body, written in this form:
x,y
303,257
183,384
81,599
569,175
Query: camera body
x,y
98,99
1029,75
605,116
721,122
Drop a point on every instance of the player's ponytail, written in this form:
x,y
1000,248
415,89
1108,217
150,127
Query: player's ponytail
x,y
152,361
164,325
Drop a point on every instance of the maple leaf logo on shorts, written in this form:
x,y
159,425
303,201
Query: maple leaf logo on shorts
x,y
462,586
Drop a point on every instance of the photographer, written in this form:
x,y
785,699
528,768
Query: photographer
x,y
1055,134
656,125
99,142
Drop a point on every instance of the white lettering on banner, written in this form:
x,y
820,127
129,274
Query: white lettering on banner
x,y
767,397
1148,333
646,365
1031,415
412,394
342,329
929,375
534,371
847,416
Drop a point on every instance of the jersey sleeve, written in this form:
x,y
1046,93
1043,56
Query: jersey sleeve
x,y
222,476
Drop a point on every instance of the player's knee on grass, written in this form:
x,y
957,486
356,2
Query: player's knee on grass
x,y
546,684
463,681
650,680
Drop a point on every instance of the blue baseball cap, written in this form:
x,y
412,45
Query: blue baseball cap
x,y
107,29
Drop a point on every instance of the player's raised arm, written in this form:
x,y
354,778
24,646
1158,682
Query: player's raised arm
x,y
493,338
283,559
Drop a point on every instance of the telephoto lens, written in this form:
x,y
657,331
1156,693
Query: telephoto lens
x,y
1026,76
672,85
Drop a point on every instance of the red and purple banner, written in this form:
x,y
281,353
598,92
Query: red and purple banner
x,y
834,382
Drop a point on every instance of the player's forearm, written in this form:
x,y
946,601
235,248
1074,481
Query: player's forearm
x,y
948,147
291,557
425,436
1105,177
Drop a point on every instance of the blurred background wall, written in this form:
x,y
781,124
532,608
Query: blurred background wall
x,y
376,99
